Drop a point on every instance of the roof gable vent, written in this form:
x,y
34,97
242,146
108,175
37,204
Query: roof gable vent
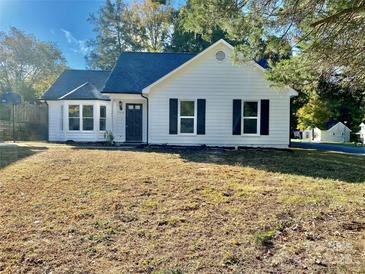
x,y
220,55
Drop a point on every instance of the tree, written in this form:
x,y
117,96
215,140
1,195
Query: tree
x,y
138,26
183,40
241,28
314,114
28,66
327,34
346,104
115,34
154,21
328,38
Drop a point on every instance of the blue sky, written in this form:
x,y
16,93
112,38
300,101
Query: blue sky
x,y
63,22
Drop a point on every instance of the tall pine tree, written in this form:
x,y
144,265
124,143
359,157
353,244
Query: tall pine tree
x,y
114,34
137,26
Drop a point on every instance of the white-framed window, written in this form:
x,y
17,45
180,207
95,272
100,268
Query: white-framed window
x,y
88,117
81,117
251,118
187,117
74,117
102,119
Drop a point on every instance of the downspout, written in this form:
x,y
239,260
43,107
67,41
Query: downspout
x,y
147,115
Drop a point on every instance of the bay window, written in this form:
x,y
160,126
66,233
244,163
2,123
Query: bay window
x,y
81,117
102,121
88,117
74,117
61,120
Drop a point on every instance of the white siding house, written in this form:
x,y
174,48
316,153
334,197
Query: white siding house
x,y
336,133
173,99
362,132
219,83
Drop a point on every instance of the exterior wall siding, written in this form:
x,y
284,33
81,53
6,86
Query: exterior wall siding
x,y
219,82
119,116
54,121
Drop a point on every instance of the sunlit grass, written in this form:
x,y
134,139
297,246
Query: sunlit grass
x,y
188,211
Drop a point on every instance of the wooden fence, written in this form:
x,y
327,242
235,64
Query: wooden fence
x,y
30,122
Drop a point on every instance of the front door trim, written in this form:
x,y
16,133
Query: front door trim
x,y
129,137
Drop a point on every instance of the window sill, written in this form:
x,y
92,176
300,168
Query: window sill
x,y
80,131
249,135
186,134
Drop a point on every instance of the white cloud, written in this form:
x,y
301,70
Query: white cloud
x,y
78,46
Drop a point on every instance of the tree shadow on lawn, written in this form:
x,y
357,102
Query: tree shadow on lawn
x,y
315,164
12,153
348,168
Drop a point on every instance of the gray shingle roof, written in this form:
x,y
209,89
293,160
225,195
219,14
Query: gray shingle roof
x,y
86,91
70,80
136,70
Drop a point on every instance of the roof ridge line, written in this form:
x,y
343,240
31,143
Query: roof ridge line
x,y
151,52
89,70
72,91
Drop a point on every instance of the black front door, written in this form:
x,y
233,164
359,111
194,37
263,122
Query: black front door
x,y
134,123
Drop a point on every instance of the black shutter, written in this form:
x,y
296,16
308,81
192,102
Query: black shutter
x,y
264,124
201,117
173,117
237,114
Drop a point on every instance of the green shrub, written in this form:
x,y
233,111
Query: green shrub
x,y
108,135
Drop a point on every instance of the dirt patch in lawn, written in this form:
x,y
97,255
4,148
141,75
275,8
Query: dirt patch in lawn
x,y
93,211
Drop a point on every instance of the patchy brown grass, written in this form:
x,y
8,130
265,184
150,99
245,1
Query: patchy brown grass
x,y
69,210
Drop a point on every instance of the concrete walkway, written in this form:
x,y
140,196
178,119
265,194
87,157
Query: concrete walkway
x,y
8,145
330,147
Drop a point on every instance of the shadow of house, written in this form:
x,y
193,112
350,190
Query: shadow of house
x,y
309,163
314,164
12,153
349,168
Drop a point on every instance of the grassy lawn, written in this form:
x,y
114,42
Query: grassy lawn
x,y
68,210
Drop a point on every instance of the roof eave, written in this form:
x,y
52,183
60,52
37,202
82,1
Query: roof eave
x,y
121,92
75,99
292,92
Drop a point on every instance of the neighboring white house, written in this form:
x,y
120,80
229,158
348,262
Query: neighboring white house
x,y
362,132
336,132
173,99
